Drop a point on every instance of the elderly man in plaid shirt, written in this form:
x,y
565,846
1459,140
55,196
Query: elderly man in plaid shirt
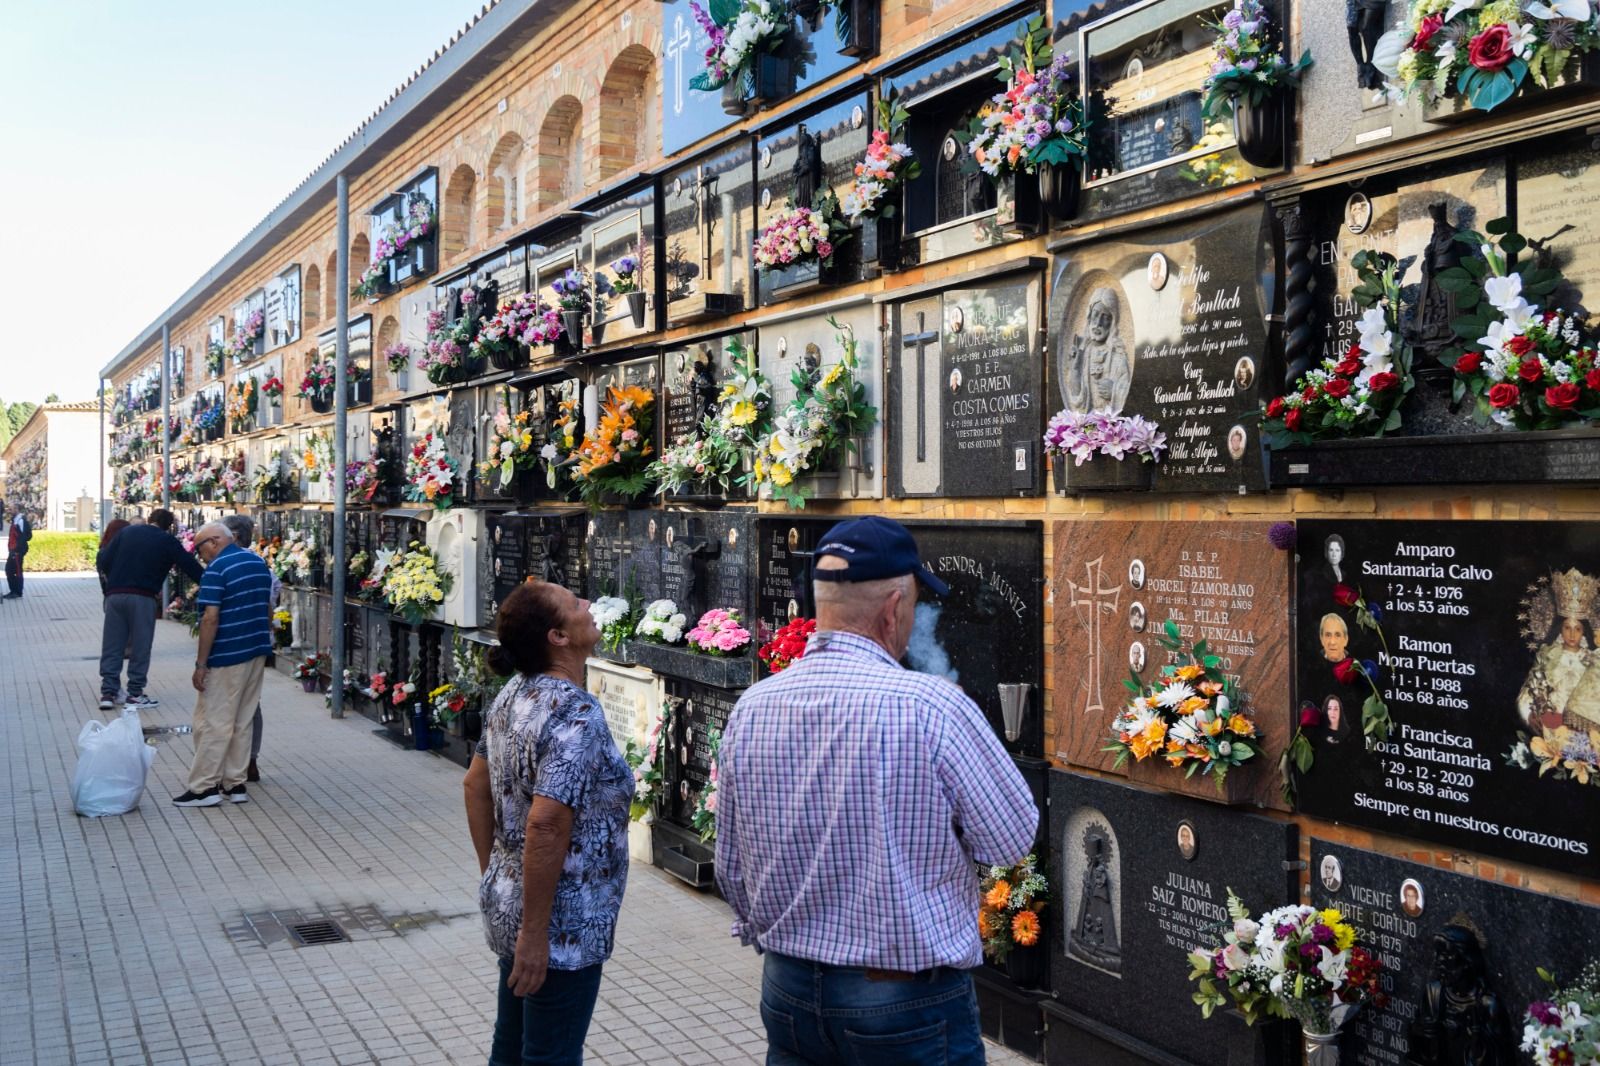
x,y
854,798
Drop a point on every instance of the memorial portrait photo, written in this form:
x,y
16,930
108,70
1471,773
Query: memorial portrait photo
x,y
1411,898
1237,440
1334,634
1337,721
1244,373
1186,841
1330,873
1333,551
1136,573
1136,617
1136,658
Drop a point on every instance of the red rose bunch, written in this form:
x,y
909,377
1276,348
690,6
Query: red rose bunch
x,y
787,644
1535,370
1491,49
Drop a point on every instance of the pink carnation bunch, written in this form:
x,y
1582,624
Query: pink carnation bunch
x,y
719,632
795,234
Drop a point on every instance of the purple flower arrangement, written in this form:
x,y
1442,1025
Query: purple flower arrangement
x,y
1085,435
627,271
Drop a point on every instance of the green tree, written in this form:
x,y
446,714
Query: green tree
x,y
54,397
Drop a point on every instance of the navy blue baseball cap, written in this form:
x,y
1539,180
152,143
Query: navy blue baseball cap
x,y
874,548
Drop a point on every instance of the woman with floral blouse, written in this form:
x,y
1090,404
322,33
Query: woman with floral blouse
x,y
547,803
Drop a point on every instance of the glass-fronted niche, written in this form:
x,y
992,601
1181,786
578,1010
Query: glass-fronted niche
x,y
1143,64
358,371
620,240
949,208
404,229
710,226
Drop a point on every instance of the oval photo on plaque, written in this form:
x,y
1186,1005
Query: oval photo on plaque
x,y
1156,271
1357,213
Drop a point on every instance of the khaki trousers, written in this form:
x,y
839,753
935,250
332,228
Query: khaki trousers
x,y
222,717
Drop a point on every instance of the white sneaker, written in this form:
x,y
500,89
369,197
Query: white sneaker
x,y
143,701
107,703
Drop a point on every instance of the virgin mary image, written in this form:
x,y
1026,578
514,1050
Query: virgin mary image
x,y
1563,687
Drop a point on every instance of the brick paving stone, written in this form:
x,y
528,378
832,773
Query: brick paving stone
x,y
115,930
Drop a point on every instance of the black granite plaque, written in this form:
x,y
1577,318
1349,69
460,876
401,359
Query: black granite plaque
x,y
691,380
1488,667
968,392
1139,879
621,560
1400,908
355,640
1170,323
398,527
545,545
461,440
700,710
987,633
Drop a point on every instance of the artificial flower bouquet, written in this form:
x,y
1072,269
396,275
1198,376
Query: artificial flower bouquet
x,y
739,31
661,623
1009,901
316,456
1038,119
510,446
401,692
414,585
1359,393
647,757
744,407
397,357
561,443
272,389
216,354
377,686
788,645
445,355
614,619
309,667
282,628
719,632
1084,435
1292,962
1191,715
1564,1030
713,456
627,273
448,702
820,425
246,332
1524,368
1484,51
695,461
521,322
704,818
799,234
317,384
1248,61
241,404
886,168
615,454
363,478
431,473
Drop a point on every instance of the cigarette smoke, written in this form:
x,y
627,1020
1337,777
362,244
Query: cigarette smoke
x,y
924,652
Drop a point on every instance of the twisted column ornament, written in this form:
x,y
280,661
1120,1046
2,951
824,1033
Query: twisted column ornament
x,y
1300,284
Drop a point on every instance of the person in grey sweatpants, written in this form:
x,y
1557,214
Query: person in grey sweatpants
x,y
135,563
243,528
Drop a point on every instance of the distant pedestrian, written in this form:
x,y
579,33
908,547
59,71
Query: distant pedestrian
x,y
135,562
547,794
18,533
235,637
853,799
243,528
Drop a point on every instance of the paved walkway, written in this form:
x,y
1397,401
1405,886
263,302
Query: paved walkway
x,y
159,936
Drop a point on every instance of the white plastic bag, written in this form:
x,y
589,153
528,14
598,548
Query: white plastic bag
x,y
113,761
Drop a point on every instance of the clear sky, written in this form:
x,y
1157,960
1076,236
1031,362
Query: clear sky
x,y
140,141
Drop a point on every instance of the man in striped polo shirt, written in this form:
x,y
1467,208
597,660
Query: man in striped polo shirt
x,y
235,637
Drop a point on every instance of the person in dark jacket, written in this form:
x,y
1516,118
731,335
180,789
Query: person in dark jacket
x,y
136,563
19,531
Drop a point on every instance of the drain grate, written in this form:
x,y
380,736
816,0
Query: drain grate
x,y
313,933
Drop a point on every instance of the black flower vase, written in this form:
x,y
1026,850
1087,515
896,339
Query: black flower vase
x,y
471,725
509,356
321,404
573,320
636,308
733,101
421,728
598,331
1060,189
525,485
888,230
1258,129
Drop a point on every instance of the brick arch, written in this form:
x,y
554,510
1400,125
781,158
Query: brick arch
x,y
507,197
560,155
626,114
360,256
311,294
388,333
330,291
457,228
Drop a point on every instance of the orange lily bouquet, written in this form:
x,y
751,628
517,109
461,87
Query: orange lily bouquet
x,y
614,456
1010,899
1190,716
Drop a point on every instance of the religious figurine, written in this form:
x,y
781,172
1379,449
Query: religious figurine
x,y
1563,687
703,386
1094,930
1098,370
807,169
1366,21
1462,1022
1436,308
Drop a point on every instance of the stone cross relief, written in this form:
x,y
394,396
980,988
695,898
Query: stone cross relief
x,y
677,50
918,343
1093,594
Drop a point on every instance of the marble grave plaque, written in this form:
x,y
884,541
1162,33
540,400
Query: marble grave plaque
x,y
697,711
1116,585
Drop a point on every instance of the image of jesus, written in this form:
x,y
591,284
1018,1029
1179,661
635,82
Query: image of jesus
x,y
1098,370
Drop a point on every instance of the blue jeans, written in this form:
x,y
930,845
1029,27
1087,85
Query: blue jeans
x,y
819,1015
547,1027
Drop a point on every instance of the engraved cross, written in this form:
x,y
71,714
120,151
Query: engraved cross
x,y
1093,594
677,49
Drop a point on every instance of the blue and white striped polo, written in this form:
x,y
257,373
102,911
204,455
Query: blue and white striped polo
x,y
239,584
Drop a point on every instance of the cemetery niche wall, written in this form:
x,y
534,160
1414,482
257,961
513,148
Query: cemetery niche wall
x,y
966,391
1481,653
1170,324
710,226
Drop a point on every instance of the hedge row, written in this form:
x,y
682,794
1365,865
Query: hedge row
x,y
52,550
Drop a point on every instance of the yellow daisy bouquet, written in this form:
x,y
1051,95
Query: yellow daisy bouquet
x,y
1010,899
414,585
820,425
712,454
1191,716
